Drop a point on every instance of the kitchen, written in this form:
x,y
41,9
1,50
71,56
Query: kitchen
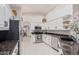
x,y
39,29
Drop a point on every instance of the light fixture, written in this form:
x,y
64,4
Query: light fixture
x,y
44,20
14,12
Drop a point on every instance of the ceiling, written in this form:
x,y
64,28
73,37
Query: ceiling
x,y
35,8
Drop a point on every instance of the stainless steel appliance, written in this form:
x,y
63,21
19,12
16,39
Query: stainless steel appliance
x,y
38,37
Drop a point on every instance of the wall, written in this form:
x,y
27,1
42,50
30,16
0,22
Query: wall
x,y
76,12
76,19
33,19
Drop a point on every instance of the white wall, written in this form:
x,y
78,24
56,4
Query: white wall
x,y
34,20
76,19
76,12
60,11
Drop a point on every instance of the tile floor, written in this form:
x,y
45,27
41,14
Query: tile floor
x,y
31,48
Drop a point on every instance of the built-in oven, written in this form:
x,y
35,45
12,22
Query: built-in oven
x,y
38,37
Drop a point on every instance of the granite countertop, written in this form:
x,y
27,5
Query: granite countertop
x,y
47,32
7,47
65,39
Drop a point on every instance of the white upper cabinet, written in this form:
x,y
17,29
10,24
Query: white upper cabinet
x,y
1,15
5,16
55,18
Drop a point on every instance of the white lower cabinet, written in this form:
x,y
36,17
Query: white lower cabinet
x,y
53,42
50,40
47,39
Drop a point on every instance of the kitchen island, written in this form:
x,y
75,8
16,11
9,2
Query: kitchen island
x,y
7,47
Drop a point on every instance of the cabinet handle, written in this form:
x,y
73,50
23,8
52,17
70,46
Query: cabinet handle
x,y
5,23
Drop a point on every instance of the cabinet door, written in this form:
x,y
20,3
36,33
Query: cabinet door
x,y
7,16
47,39
1,16
4,17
